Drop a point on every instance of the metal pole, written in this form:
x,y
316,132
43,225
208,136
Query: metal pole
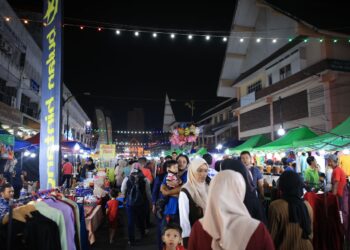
x,y
67,123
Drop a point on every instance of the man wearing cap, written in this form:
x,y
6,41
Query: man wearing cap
x,y
286,161
338,178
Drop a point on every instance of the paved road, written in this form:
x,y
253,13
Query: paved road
x,y
121,241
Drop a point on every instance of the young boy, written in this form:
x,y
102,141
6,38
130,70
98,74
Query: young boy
x,y
112,212
172,237
171,181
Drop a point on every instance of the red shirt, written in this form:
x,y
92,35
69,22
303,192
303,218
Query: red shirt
x,y
200,239
112,210
338,175
147,173
67,168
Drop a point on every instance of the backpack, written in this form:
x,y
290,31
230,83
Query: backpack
x,y
135,196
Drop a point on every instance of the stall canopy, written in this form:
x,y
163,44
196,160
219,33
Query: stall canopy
x,y
19,144
286,142
69,147
337,138
250,144
35,139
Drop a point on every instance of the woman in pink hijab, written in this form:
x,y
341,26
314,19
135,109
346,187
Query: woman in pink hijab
x,y
227,224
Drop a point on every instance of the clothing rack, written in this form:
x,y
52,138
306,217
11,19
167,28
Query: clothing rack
x,y
25,199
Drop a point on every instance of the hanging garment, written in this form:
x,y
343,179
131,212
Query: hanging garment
x,y
68,219
38,233
327,227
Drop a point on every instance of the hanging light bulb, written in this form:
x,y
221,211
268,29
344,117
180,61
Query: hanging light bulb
x,y
207,38
117,32
224,39
258,40
241,40
172,36
190,37
26,153
81,27
274,40
281,131
26,21
154,35
137,33
7,19
99,29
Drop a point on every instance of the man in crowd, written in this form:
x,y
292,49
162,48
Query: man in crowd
x,y
67,171
147,173
6,193
174,155
89,166
338,178
311,178
286,165
257,177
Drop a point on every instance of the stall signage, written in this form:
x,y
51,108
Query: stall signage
x,y
107,151
51,95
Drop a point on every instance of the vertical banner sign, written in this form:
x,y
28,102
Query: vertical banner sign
x,y
50,129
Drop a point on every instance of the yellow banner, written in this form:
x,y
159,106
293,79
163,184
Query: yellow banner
x,y
107,152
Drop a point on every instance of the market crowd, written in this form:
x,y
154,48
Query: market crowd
x,y
202,204
225,204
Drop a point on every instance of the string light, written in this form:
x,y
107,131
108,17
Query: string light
x,y
133,29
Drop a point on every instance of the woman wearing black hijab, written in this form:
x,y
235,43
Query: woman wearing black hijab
x,y
290,218
251,201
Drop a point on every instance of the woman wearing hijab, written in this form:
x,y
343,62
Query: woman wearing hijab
x,y
119,172
227,224
251,201
193,196
290,218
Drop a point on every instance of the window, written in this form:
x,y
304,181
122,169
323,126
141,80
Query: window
x,y
270,79
255,87
285,72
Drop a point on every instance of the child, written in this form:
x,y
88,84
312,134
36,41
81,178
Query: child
x,y
171,181
112,212
172,237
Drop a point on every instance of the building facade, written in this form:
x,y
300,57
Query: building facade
x,y
284,72
20,80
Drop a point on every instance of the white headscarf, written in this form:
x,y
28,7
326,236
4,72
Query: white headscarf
x,y
226,218
198,191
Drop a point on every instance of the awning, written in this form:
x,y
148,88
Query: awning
x,y
250,144
287,141
337,138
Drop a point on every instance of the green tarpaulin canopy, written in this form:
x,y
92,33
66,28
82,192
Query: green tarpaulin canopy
x,y
250,144
286,142
337,138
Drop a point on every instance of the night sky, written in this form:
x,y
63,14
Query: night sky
x,y
123,72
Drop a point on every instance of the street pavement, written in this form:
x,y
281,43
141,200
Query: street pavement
x,y
121,239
